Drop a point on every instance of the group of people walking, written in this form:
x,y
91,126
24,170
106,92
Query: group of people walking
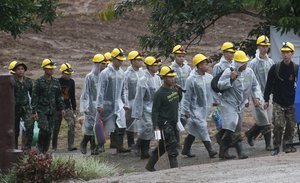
x,y
162,99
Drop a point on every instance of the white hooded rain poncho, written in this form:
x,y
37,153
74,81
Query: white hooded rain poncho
x,y
221,66
130,86
142,107
261,68
88,99
236,95
182,72
111,97
197,101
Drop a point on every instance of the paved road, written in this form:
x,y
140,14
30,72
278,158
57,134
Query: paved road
x,y
281,168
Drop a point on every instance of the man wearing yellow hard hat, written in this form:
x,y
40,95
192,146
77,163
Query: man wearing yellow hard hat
x,y
23,89
228,49
107,57
132,75
261,65
88,100
68,91
281,83
46,100
238,84
165,117
110,100
142,105
198,99
183,70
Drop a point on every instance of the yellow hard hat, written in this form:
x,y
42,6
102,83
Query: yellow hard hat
x,y
11,66
228,46
135,55
198,58
98,58
167,71
263,41
178,49
48,64
107,56
287,46
151,61
66,68
118,53
240,56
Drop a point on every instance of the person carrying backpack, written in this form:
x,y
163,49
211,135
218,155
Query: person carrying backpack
x,y
281,83
226,60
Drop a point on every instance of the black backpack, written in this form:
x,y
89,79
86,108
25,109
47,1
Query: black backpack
x,y
215,80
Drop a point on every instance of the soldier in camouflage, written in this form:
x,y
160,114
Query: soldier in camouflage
x,y
23,90
46,100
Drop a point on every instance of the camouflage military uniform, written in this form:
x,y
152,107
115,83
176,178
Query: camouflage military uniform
x,y
46,100
23,92
284,118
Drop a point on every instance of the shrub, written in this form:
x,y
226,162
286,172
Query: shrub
x,y
40,168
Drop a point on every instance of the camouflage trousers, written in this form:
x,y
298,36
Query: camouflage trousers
x,y
168,142
45,123
70,119
284,124
28,123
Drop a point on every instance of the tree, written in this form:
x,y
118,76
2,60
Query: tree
x,y
185,21
18,16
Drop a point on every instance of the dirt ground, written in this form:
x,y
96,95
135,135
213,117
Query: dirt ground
x,y
77,35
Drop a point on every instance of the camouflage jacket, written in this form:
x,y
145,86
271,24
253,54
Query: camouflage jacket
x,y
47,96
23,91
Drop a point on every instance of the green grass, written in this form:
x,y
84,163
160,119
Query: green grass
x,y
91,167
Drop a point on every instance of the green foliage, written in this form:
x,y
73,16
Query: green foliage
x,y
108,13
18,16
92,168
42,168
185,21
45,168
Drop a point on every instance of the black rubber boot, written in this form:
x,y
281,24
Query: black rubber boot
x,y
224,147
209,149
83,144
119,142
145,149
151,162
188,141
130,139
239,150
173,161
94,147
137,147
267,137
219,136
252,133
275,151
113,141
